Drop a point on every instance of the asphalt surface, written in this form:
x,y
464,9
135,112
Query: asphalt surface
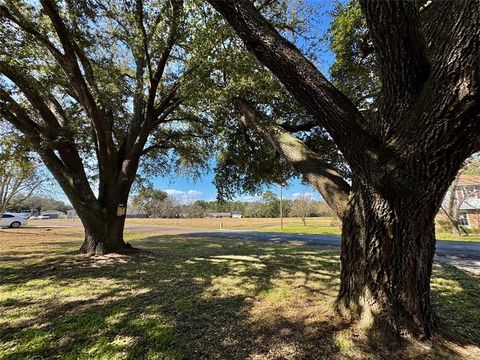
x,y
464,255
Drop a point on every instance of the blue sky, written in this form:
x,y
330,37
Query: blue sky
x,y
186,189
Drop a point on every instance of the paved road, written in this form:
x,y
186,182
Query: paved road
x,y
465,255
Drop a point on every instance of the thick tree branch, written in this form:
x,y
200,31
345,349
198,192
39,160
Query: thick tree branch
x,y
328,106
100,119
68,169
45,103
17,116
400,48
143,31
293,128
177,7
138,117
29,28
334,189
150,113
448,109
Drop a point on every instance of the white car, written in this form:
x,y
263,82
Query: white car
x,y
13,221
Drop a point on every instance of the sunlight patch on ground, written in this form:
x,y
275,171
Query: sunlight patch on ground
x,y
191,297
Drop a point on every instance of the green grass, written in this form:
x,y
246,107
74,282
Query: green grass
x,y
318,227
194,298
315,226
450,236
457,299
301,229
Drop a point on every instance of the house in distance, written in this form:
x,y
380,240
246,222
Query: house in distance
x,y
233,214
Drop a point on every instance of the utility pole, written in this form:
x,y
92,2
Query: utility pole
x,y
281,206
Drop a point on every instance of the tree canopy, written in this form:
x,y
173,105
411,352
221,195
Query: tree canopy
x,y
150,201
99,89
20,174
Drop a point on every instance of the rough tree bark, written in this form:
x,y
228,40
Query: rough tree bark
x,y
104,235
402,158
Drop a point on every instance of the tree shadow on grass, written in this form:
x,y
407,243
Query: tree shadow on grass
x,y
456,297
185,297
456,302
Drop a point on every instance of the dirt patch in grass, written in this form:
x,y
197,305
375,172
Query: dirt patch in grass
x,y
199,298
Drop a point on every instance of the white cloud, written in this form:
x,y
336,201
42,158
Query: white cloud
x,y
194,193
184,196
173,192
299,195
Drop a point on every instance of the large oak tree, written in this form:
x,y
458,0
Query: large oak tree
x,y
96,87
403,153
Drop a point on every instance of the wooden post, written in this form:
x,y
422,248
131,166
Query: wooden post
x,y
281,206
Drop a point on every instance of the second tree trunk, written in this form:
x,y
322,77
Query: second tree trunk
x,y
387,252
104,234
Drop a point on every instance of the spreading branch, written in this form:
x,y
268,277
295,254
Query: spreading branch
x,y
334,189
100,118
44,102
329,107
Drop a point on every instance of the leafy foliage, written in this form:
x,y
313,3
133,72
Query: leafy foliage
x,y
246,162
132,61
19,170
355,71
150,201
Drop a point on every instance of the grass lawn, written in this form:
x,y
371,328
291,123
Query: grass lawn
x,y
449,236
197,298
320,226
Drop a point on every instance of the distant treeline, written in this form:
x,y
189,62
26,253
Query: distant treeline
x,y
154,205
37,204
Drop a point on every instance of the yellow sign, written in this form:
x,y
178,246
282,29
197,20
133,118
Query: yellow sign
x,y
121,210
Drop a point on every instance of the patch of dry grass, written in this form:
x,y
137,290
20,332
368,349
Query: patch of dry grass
x,y
197,298
316,225
210,223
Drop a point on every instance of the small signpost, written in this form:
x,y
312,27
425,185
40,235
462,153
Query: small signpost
x,y
121,210
281,206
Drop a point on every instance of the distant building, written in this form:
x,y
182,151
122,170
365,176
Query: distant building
x,y
54,214
136,214
72,214
466,197
233,214
219,215
468,193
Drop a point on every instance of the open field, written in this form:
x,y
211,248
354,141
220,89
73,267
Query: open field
x,y
321,226
199,298
226,223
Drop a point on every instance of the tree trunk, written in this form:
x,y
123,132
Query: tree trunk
x,y
387,254
456,228
104,235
